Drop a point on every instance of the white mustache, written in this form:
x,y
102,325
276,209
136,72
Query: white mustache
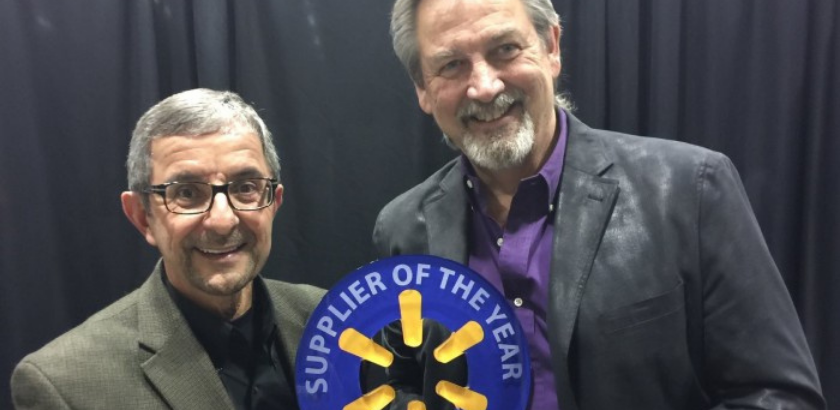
x,y
491,110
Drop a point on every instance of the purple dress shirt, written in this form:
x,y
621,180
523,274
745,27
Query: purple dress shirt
x,y
517,258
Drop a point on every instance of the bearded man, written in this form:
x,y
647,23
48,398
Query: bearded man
x,y
635,265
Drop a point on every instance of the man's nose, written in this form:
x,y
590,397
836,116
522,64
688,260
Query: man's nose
x,y
221,217
485,83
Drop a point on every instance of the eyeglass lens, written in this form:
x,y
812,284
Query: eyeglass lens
x,y
192,197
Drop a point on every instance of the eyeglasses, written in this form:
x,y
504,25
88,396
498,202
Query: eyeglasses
x,y
188,198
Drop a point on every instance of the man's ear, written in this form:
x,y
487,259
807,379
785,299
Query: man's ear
x,y
132,205
423,98
554,51
278,198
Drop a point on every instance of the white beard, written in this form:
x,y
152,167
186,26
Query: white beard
x,y
500,150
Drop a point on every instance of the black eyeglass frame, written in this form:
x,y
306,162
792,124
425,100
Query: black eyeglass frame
x,y
160,189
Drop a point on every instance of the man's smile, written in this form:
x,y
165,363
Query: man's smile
x,y
220,252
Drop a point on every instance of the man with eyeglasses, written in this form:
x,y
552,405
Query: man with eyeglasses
x,y
205,331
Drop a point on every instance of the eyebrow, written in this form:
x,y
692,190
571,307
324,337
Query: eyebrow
x,y
184,176
249,172
441,56
506,34
189,176
496,38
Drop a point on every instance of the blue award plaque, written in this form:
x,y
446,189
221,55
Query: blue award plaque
x,y
409,289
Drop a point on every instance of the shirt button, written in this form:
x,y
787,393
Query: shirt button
x,y
517,302
469,184
550,207
500,241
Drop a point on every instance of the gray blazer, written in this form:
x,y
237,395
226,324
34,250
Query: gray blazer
x,y
663,294
139,353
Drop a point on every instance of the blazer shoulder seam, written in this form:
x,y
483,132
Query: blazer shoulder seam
x,y
29,362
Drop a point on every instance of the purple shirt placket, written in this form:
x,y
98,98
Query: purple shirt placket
x,y
517,259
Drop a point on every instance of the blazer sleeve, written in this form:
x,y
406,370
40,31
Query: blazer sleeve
x,y
32,389
756,354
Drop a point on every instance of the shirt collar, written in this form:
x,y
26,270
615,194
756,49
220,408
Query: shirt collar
x,y
214,332
550,172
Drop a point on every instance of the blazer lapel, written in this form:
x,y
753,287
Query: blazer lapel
x,y
290,329
584,205
173,360
446,218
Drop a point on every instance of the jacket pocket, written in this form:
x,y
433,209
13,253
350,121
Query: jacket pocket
x,y
643,312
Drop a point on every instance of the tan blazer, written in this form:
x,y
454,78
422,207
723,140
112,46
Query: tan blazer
x,y
139,353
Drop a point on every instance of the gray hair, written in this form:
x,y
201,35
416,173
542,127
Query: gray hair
x,y
404,30
404,36
192,113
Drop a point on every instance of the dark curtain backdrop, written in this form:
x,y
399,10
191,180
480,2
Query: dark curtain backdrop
x,y
757,80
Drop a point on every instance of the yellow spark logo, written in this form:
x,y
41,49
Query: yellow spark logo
x,y
411,320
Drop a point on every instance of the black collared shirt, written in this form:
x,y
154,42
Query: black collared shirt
x,y
246,352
